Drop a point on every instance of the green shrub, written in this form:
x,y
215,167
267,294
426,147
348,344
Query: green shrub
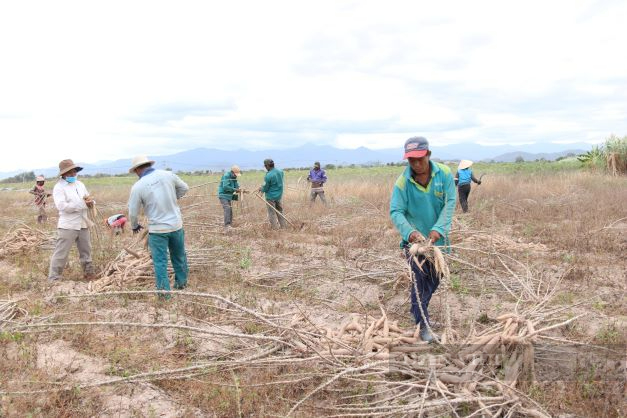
x,y
611,156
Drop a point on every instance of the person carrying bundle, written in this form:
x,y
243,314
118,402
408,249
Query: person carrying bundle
x,y
462,179
40,198
72,200
227,192
422,206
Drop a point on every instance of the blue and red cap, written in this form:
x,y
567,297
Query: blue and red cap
x,y
416,147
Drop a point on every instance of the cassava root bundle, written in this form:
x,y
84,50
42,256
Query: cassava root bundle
x,y
22,239
133,268
486,371
360,336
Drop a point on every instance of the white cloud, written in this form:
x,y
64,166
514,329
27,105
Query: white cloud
x,y
95,81
373,141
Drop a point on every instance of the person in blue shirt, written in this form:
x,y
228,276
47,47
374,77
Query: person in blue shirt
x,y
317,177
422,207
462,179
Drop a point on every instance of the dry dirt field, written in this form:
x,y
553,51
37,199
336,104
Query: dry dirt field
x,y
315,321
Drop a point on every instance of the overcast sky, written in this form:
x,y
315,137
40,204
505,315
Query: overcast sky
x,y
111,79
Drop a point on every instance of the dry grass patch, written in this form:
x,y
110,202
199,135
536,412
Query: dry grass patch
x,y
554,242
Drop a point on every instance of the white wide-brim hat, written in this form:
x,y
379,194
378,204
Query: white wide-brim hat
x,y
139,160
464,164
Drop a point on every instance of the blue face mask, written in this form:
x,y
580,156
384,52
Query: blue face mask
x,y
70,179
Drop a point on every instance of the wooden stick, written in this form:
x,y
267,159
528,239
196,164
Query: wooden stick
x,y
275,209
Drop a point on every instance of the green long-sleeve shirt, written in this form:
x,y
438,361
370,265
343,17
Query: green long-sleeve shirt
x,y
273,184
227,186
416,208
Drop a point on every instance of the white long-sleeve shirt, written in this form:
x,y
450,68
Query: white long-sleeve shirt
x,y
157,191
68,198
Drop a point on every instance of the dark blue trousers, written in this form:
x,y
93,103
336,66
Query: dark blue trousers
x,y
427,281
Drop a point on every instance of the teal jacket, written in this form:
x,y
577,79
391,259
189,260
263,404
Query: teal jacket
x,y
273,184
227,186
415,208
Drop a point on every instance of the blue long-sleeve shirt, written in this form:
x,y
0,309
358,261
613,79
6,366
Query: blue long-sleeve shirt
x,y
317,176
465,176
157,191
416,208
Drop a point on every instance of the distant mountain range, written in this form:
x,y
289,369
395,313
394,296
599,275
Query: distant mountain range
x,y
202,159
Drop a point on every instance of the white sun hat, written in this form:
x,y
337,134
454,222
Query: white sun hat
x,y
464,164
139,160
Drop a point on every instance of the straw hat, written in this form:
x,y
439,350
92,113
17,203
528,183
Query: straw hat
x,y
40,178
464,164
67,165
139,160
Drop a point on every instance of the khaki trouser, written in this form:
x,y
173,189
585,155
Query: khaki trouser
x,y
65,239
273,216
318,191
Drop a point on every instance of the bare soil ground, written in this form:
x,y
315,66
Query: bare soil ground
x,y
525,237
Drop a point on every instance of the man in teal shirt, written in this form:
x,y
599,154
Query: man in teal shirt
x,y
273,188
422,205
226,192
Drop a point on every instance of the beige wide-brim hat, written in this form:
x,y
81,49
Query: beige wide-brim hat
x,y
67,165
139,160
464,164
236,170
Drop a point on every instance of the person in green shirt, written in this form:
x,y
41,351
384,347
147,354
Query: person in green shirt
x,y
273,188
227,192
422,205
